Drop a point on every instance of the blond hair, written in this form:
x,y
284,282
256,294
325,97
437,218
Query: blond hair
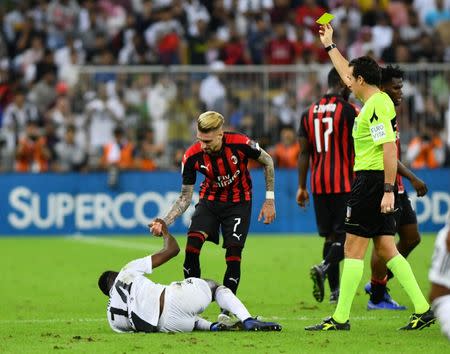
x,y
209,121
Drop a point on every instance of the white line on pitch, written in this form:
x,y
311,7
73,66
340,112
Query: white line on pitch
x,y
109,242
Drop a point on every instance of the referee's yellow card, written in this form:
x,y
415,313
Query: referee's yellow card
x,y
325,18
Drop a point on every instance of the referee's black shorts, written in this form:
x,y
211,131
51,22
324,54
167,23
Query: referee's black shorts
x,y
330,213
406,214
363,216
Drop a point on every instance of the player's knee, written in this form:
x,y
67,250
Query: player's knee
x,y
195,242
412,242
233,254
213,285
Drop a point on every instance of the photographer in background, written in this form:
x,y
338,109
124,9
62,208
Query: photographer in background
x,y
428,149
70,156
32,153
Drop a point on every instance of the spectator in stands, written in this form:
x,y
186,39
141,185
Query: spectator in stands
x,y
69,156
159,99
17,114
26,60
428,149
412,31
69,71
102,115
236,113
118,155
429,50
164,37
364,44
180,116
43,94
198,43
32,153
280,50
382,33
62,16
148,153
436,15
349,12
212,90
234,51
51,139
307,14
285,153
258,35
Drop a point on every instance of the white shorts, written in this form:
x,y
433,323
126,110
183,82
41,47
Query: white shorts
x,y
440,264
183,301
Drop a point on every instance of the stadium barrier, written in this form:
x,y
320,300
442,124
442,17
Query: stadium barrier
x,y
67,204
266,90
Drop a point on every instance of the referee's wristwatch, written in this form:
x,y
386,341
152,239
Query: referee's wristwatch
x,y
388,188
331,46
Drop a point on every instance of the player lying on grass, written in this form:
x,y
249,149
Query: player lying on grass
x,y
439,276
136,304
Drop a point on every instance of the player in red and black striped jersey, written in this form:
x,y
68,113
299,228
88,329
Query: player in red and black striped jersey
x,y
406,220
325,137
225,194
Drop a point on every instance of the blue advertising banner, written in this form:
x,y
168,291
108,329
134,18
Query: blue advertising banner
x,y
65,204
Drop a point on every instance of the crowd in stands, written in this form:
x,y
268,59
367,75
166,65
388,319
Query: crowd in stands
x,y
54,116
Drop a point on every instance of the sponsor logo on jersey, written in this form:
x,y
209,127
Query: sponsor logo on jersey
x,y
226,180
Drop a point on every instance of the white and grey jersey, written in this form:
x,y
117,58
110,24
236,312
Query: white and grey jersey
x,y
134,299
440,264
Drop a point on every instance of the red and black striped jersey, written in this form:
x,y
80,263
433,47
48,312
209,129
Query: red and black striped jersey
x,y
327,125
227,178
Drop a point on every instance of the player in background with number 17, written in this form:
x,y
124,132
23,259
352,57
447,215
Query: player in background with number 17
x,y
325,137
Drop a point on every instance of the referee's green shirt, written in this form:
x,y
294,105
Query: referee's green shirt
x,y
374,126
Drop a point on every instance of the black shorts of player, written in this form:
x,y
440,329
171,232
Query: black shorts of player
x,y
233,219
330,213
406,214
363,215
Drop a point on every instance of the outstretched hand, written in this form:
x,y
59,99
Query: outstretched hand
x,y
158,227
326,34
267,211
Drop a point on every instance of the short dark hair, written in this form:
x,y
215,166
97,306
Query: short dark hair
x,y
106,281
334,80
368,69
390,72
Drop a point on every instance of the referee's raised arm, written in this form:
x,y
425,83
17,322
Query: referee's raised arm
x,y
339,62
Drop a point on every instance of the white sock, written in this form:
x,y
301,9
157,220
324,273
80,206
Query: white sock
x,y
441,308
202,324
228,301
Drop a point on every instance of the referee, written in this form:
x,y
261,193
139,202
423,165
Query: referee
x,y
370,208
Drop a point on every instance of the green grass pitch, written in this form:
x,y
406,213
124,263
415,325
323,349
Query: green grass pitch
x,y
50,302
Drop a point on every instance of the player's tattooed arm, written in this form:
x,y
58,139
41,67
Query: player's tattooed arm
x,y
269,171
181,204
